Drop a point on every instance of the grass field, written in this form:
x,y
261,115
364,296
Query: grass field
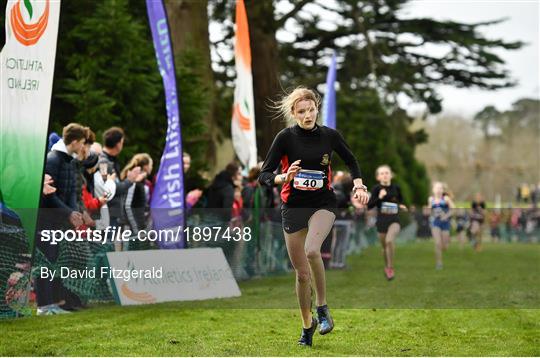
x,y
481,304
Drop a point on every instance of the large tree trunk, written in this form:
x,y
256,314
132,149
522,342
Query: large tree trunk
x,y
264,58
188,21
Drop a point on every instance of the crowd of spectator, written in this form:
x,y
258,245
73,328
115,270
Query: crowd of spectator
x,y
85,188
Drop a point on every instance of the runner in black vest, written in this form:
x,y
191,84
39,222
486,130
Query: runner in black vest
x,y
388,200
305,152
478,214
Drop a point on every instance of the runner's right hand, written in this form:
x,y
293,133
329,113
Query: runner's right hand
x,y
293,170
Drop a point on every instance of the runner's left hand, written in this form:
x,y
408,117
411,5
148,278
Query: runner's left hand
x,y
362,196
359,194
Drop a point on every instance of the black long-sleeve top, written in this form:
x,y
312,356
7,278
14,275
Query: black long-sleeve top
x,y
393,195
116,203
314,148
60,204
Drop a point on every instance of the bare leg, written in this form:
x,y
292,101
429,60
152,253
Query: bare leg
x,y
319,226
445,235
382,238
436,233
461,239
476,231
393,231
295,247
479,238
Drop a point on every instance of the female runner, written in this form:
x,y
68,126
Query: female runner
x,y
478,214
305,152
388,200
440,204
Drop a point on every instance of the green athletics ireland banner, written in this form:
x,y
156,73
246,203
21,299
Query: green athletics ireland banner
x,y
26,78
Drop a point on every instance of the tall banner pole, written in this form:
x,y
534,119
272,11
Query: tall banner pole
x,y
243,117
167,204
26,79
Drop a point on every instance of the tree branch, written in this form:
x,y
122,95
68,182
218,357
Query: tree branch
x,y
281,21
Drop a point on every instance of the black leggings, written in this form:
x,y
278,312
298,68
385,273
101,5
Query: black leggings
x,y
47,291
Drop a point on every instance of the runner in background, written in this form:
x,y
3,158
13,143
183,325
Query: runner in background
x,y
440,204
478,208
388,200
462,223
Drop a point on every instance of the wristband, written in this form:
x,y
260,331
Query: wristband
x,y
363,187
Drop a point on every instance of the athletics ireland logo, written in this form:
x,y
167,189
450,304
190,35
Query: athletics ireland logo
x,y
28,33
143,297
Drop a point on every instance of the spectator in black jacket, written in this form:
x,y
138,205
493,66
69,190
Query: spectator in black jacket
x,y
113,143
220,194
60,166
60,209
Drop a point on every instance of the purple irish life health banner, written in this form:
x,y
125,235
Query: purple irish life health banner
x,y
167,204
329,102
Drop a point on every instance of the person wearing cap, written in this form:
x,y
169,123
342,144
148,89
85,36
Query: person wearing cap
x,y
53,139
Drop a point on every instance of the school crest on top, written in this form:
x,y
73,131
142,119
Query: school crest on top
x,y
325,159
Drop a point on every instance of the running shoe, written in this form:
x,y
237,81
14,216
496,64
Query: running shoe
x,y
439,267
390,273
306,339
326,322
57,310
44,311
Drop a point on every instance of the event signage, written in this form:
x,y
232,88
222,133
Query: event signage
x,y
26,79
142,277
167,202
243,117
329,101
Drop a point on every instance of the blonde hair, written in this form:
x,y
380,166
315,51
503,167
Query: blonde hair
x,y
437,183
383,166
138,160
446,190
284,107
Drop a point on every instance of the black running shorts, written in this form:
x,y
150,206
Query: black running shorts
x,y
384,221
296,219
